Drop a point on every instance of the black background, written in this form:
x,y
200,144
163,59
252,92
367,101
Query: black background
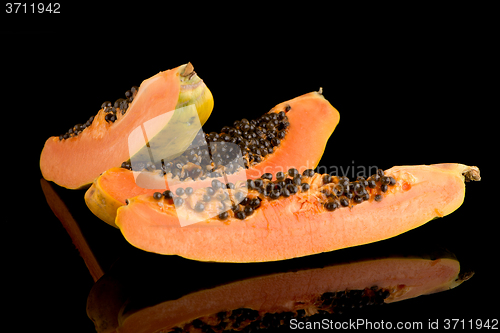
x,y
410,90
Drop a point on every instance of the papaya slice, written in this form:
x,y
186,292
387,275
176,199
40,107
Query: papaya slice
x,y
293,217
140,297
75,158
272,143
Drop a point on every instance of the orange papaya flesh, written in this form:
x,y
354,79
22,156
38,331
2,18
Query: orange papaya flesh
x,y
76,159
294,290
300,224
111,189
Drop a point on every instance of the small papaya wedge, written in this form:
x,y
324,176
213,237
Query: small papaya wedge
x,y
294,215
74,159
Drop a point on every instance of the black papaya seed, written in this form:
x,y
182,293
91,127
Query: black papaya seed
x,y
178,201
380,173
250,184
245,201
331,206
274,195
240,215
168,194
293,172
255,202
199,207
344,201
308,173
267,176
248,210
292,188
210,191
297,180
258,183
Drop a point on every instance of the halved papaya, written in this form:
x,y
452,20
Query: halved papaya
x,y
75,158
269,144
145,297
295,215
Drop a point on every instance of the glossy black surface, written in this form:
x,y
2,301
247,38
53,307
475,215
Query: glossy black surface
x,y
410,99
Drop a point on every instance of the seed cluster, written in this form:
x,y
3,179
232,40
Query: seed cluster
x,y
120,105
244,144
250,320
285,185
226,196
242,200
256,138
77,129
335,192
340,192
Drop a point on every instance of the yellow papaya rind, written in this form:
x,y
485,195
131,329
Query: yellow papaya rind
x,y
101,203
179,126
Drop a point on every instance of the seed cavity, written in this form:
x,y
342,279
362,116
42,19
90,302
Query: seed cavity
x,y
210,155
243,199
110,110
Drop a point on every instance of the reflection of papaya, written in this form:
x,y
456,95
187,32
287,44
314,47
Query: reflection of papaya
x,y
152,293
62,212
74,159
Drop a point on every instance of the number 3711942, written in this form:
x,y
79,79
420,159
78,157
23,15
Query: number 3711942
x,y
26,8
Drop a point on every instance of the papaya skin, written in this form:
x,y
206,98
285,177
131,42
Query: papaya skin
x,y
103,204
299,225
111,189
74,163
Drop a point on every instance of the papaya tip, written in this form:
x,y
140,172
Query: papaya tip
x,y
472,174
188,69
